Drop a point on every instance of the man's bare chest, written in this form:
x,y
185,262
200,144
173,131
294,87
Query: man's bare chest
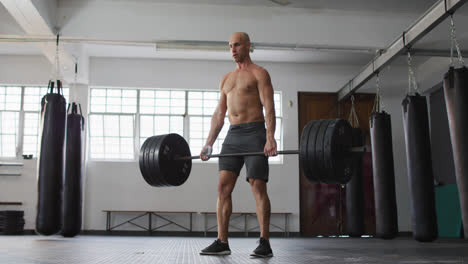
x,y
240,82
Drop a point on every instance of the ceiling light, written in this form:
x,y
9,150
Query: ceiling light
x,y
281,2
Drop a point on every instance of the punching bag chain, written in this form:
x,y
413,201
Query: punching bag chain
x,y
454,43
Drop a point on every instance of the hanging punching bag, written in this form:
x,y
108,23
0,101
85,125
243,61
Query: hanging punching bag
x,y
50,161
72,185
456,98
419,162
355,192
384,176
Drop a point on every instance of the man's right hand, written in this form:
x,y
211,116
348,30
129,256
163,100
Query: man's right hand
x,y
205,152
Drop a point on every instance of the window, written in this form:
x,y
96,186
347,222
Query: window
x,y
112,123
161,112
116,115
12,107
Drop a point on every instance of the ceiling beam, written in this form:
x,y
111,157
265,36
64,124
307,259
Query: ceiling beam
x,y
434,16
38,17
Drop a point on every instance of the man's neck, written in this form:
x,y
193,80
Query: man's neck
x,y
244,64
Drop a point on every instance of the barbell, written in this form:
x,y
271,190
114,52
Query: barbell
x,y
324,155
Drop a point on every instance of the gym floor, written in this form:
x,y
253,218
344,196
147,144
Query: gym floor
x,y
128,249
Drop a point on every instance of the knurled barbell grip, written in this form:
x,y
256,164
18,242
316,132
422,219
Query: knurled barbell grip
x,y
281,152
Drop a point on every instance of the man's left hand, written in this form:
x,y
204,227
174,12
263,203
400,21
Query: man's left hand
x,y
270,148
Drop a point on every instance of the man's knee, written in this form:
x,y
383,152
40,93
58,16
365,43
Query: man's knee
x,y
226,183
258,186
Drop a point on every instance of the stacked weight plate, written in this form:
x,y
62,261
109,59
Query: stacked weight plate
x,y
11,222
158,163
325,151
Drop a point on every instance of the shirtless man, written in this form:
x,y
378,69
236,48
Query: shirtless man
x,y
244,93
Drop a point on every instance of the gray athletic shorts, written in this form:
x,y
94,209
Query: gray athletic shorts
x,y
247,137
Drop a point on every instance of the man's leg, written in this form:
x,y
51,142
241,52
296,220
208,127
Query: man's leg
x,y
259,190
263,207
227,181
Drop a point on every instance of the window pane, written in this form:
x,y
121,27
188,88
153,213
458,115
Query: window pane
x,y
162,102
126,126
157,125
10,98
96,125
31,133
111,125
8,133
111,136
113,100
146,126
33,97
199,129
161,125
277,101
202,103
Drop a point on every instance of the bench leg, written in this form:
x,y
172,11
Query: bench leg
x,y
206,223
150,228
246,230
108,219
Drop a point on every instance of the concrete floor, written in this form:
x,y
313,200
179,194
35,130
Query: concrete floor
x,y
126,249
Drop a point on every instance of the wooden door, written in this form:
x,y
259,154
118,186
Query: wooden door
x,y
322,206
318,202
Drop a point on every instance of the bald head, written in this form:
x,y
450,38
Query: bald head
x,y
242,36
239,44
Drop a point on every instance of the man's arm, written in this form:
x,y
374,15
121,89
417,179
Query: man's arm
x,y
217,120
265,89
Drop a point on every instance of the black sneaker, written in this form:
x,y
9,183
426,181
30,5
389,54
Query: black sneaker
x,y
263,250
217,248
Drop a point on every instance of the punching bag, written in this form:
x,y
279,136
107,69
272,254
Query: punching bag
x,y
456,98
50,161
384,176
419,162
72,183
355,191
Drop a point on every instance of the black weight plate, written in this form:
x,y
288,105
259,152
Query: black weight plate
x,y
142,159
175,172
148,146
312,155
154,161
338,142
322,175
303,161
151,173
328,145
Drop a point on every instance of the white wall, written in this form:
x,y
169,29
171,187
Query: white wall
x,y
119,185
30,70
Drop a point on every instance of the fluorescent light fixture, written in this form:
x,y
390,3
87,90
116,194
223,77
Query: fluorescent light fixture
x,y
281,2
193,45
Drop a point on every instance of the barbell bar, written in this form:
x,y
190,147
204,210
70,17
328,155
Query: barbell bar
x,y
260,153
325,155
